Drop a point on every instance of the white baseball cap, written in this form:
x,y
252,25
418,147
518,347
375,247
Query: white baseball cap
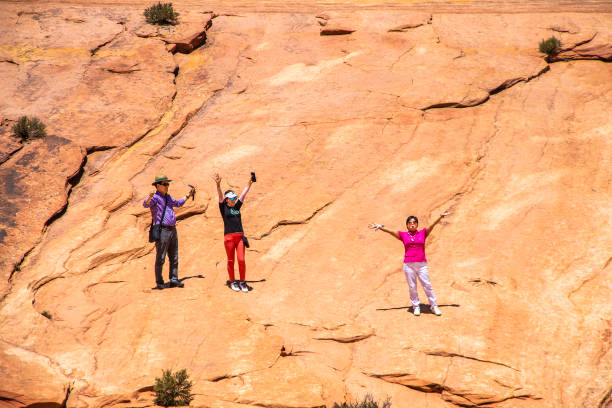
x,y
230,194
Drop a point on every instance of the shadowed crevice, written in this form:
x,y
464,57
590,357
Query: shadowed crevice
x,y
71,182
336,31
509,83
95,50
447,354
9,400
10,154
9,61
606,401
292,222
449,394
351,339
51,404
44,405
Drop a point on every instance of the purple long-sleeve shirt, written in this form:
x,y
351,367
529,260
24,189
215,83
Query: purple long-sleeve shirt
x,y
157,208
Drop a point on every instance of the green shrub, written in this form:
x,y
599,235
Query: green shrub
x,y
161,14
27,128
368,402
550,46
47,314
173,389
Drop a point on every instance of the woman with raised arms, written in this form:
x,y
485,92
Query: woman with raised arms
x,y
415,262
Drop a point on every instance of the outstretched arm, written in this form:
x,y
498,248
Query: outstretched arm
x,y
181,201
245,191
428,230
377,227
217,179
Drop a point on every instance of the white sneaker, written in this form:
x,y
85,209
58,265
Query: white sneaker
x,y
235,286
244,287
417,310
436,311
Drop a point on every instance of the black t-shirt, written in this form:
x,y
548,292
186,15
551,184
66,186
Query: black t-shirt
x,y
231,217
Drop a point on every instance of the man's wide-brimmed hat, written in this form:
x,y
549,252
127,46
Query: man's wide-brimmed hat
x,y
161,177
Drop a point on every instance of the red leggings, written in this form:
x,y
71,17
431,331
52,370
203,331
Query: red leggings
x,y
233,242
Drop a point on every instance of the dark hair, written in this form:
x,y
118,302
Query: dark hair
x,y
412,217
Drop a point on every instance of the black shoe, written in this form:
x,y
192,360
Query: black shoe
x,y
160,286
177,284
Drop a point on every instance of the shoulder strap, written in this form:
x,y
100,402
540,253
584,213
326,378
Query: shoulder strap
x,y
161,220
164,213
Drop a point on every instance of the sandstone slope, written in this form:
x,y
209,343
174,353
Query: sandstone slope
x,y
348,116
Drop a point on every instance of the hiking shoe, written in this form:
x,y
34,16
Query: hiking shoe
x,y
244,287
235,286
160,286
435,310
416,310
177,284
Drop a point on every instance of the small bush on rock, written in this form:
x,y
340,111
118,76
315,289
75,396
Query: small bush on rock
x,y
27,128
368,402
161,14
550,46
173,389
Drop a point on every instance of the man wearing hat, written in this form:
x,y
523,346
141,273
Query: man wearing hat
x,y
161,205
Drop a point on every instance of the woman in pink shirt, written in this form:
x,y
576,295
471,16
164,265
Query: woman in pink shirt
x,y
415,263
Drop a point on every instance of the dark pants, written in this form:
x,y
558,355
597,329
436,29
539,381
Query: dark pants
x,y
168,243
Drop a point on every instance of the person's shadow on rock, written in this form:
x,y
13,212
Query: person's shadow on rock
x,y
424,308
191,277
167,284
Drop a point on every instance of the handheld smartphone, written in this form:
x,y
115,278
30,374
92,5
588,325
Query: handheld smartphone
x,y
253,178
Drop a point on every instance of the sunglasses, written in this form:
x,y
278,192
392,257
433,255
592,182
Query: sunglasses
x,y
233,199
164,184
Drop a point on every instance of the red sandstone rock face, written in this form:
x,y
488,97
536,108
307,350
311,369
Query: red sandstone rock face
x,y
409,113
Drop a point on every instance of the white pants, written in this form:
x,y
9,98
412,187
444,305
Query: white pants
x,y
412,270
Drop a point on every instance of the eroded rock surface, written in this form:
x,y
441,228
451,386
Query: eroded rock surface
x,y
407,112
